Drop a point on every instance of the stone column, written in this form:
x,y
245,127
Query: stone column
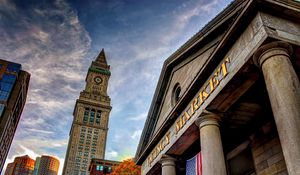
x,y
168,165
284,92
213,162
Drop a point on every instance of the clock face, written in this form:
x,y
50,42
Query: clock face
x,y
98,80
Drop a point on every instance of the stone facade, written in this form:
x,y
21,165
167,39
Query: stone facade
x,y
237,96
267,152
90,124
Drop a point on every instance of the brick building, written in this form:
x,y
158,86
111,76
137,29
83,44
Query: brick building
x,y
102,167
23,165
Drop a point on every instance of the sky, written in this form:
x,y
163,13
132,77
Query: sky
x,y
56,41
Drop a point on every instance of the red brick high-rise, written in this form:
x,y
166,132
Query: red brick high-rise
x,y
22,165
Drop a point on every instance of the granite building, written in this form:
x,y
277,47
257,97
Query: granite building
x,y
13,92
90,123
232,94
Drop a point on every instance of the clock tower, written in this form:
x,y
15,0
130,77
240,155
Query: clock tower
x,y
90,123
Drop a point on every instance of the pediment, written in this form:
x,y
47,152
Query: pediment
x,y
191,63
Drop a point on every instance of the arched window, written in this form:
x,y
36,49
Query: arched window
x,y
176,94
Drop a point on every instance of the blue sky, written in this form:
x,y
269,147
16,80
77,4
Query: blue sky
x,y
56,40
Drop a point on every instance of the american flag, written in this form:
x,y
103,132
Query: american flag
x,y
194,165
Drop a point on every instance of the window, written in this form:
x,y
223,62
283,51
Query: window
x,y
86,115
86,154
99,168
92,117
9,78
12,67
6,86
176,94
109,170
77,159
98,117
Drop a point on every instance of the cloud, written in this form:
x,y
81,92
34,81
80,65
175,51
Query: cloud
x,y
51,42
137,59
5,4
52,45
136,134
40,131
140,117
111,155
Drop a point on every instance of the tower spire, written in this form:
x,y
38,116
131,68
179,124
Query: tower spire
x,y
101,58
100,61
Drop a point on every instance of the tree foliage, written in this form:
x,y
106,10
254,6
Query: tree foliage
x,y
127,167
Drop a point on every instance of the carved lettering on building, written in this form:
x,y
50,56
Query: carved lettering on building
x,y
161,145
204,93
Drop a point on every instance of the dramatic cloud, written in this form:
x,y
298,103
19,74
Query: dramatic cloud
x,y
136,67
52,45
56,41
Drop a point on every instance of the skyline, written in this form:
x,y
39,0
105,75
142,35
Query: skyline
x,y
62,38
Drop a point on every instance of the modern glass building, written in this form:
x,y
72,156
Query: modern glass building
x,y
13,91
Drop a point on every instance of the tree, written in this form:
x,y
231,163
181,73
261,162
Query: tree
x,y
126,167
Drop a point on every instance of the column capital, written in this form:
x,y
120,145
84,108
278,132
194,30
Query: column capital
x,y
270,50
167,160
208,118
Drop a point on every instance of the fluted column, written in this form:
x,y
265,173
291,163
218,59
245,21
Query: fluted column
x,y
168,165
213,162
284,92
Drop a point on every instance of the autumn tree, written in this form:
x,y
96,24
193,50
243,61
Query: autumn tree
x,y
126,167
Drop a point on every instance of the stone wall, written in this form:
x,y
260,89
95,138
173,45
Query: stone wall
x,y
267,152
